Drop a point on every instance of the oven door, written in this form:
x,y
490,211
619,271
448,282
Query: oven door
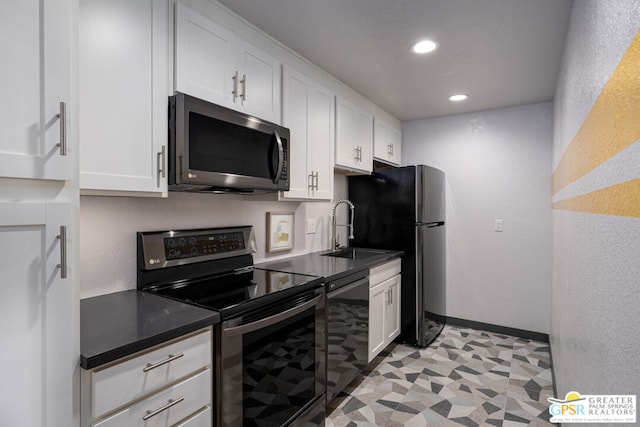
x,y
271,367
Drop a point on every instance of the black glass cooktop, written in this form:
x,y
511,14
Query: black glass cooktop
x,y
235,293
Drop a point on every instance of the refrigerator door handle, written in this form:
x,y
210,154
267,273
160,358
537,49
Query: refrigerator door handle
x,y
431,224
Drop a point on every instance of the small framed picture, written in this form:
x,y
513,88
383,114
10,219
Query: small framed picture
x,y
279,231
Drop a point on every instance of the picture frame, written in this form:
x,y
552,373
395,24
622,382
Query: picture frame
x,y
280,226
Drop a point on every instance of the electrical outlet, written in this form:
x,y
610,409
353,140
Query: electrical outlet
x,y
498,226
312,224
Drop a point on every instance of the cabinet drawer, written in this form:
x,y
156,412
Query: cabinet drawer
x,y
204,418
383,272
120,383
191,395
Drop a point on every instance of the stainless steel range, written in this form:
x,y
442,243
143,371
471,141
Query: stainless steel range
x,y
269,351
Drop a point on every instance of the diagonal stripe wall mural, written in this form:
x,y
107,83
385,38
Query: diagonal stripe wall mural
x,y
611,129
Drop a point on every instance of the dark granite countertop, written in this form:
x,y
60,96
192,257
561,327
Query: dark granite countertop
x,y
329,267
119,324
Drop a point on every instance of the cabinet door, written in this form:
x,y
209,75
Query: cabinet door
x,y
308,112
123,92
396,146
35,80
381,141
321,141
378,297
386,143
259,82
364,140
295,116
392,318
36,304
205,58
345,133
354,137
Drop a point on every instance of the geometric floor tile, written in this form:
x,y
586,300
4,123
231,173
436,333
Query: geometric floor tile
x,y
466,377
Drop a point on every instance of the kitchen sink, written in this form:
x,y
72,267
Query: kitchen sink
x,y
355,253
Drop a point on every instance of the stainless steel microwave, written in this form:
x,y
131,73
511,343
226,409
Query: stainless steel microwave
x,y
215,149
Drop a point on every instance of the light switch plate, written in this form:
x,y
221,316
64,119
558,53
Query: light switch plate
x,y
312,224
498,226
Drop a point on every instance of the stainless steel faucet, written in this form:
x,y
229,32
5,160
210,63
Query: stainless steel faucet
x,y
334,236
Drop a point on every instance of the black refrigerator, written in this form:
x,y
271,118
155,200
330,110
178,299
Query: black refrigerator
x,y
403,209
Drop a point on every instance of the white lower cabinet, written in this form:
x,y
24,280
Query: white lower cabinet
x,y
167,385
384,306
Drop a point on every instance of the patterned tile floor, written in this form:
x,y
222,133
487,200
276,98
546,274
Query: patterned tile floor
x,y
465,377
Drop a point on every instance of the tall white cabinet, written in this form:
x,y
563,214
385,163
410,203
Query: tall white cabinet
x,y
123,86
38,213
308,111
215,64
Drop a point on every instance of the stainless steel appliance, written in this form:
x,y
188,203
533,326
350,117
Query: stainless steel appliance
x,y
215,149
270,347
347,330
403,209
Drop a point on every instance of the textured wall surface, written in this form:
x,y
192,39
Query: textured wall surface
x,y
596,198
498,166
108,227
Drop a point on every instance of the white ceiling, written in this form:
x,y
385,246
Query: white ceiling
x,y
499,52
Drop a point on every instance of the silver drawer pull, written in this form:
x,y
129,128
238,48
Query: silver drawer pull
x,y
171,358
172,402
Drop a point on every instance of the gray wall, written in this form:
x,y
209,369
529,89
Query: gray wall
x,y
498,166
595,302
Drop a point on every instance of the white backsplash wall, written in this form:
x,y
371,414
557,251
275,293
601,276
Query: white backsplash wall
x,y
108,227
498,166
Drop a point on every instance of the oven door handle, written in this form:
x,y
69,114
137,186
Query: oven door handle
x,y
268,321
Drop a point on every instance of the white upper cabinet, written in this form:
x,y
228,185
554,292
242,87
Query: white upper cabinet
x,y
35,78
308,112
354,139
387,143
215,64
123,88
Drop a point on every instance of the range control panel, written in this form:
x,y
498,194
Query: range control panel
x,y
161,249
193,246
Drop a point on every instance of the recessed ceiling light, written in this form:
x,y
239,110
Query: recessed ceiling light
x,y
458,97
424,46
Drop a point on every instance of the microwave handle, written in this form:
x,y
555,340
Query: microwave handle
x,y
280,157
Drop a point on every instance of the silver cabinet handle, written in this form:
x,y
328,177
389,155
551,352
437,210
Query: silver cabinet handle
x,y
391,149
171,358
390,296
243,82
62,115
316,186
310,178
63,251
161,167
357,156
152,413
235,86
